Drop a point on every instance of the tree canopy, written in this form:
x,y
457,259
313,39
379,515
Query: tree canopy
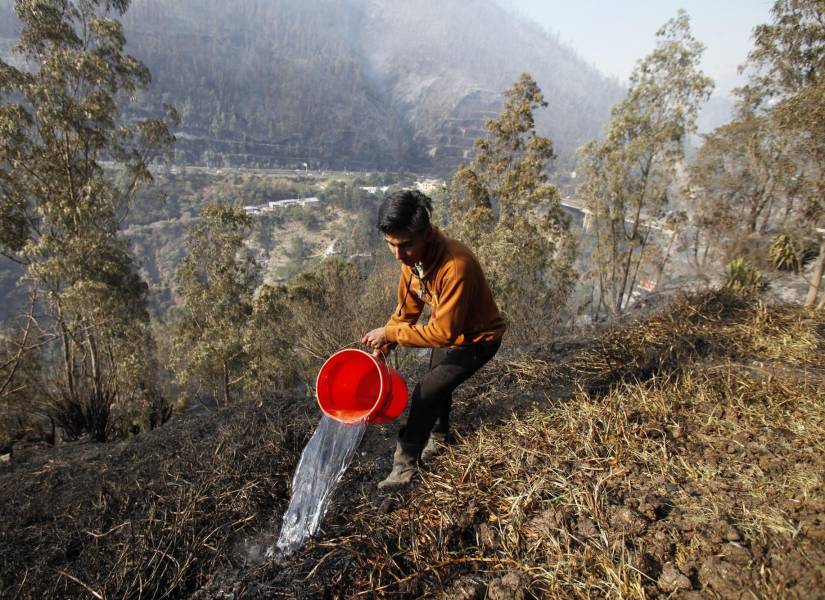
x,y
60,118
626,178
503,205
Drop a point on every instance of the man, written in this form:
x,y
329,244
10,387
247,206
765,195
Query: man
x,y
464,327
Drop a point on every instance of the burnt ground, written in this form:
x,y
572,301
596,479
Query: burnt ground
x,y
675,455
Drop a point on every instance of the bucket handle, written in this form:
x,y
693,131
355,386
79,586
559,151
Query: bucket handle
x,y
384,355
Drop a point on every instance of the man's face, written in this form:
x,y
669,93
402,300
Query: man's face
x,y
407,247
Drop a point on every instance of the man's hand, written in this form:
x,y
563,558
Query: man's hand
x,y
375,339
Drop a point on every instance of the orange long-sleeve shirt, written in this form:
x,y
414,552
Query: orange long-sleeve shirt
x,y
463,310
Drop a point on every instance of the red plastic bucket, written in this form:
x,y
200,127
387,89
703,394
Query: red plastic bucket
x,y
353,385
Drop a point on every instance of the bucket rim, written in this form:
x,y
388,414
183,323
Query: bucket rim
x,y
383,379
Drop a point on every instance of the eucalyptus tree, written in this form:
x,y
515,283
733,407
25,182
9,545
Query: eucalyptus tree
x,y
739,176
627,177
503,205
216,282
788,66
60,119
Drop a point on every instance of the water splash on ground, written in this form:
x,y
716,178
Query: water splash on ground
x,y
323,462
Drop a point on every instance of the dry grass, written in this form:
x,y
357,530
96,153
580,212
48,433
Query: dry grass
x,y
696,467
680,456
715,324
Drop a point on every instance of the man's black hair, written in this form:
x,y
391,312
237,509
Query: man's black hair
x,y
405,211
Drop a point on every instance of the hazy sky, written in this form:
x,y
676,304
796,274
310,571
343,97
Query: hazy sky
x,y
614,34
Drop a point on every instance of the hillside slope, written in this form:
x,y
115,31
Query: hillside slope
x,y
356,84
680,455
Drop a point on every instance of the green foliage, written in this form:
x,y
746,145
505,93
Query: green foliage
x,y
788,64
232,342
346,194
294,328
349,197
788,52
783,253
332,306
174,194
350,221
503,206
627,177
268,342
215,281
761,171
788,68
304,215
742,277
59,118
738,172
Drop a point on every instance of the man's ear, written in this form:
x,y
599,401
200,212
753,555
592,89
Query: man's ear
x,y
430,234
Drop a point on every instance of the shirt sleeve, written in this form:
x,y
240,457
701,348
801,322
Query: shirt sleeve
x,y
407,311
448,323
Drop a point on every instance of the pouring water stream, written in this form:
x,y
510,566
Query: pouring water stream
x,y
323,462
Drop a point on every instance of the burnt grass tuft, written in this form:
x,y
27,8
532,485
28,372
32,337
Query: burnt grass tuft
x,y
149,517
679,455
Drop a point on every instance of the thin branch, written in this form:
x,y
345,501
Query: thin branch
x,y
15,363
13,259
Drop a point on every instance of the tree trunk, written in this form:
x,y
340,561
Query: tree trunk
x,y
225,384
695,250
67,351
637,221
99,405
661,269
620,290
636,271
96,378
767,213
602,303
816,282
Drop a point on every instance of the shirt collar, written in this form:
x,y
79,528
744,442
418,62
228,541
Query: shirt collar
x,y
433,256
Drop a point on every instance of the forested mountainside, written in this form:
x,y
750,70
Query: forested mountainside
x,y
349,83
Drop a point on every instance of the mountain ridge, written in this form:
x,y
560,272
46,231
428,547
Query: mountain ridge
x,y
354,84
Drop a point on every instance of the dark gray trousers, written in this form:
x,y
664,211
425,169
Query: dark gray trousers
x,y
432,398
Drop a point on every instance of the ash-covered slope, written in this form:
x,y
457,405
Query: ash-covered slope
x,y
447,62
355,83
677,453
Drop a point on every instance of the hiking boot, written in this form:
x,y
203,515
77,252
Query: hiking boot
x,y
436,443
403,468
